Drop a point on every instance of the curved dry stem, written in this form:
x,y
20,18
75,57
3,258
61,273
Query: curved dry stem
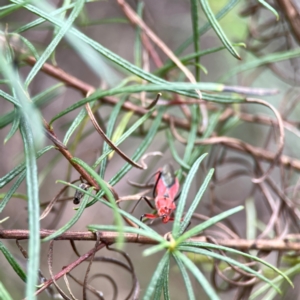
x,y
50,262
281,137
108,141
54,200
96,292
111,280
89,266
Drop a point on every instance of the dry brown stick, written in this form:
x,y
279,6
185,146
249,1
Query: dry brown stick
x,y
281,137
67,154
108,141
110,237
292,15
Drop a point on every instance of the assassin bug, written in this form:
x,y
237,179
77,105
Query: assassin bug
x,y
164,193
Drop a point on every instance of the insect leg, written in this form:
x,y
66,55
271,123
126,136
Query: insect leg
x,y
147,201
156,183
177,197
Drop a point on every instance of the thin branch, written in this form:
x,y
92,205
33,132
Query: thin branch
x,y
287,244
108,141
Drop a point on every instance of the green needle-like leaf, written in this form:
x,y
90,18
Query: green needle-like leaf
x,y
199,228
12,261
12,190
237,252
186,278
183,196
194,205
156,276
198,275
217,28
51,47
21,167
270,8
4,295
32,185
229,261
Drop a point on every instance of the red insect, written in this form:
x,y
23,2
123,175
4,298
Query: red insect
x,y
165,190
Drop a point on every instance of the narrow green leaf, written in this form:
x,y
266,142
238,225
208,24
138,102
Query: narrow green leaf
x,y
195,203
185,59
156,276
137,42
154,249
15,195
23,98
197,229
8,9
229,261
56,29
267,59
11,191
77,121
69,224
198,275
270,8
14,127
217,28
227,8
196,37
32,185
160,283
21,167
4,295
10,98
51,47
147,88
173,150
292,271
12,261
166,285
42,20
6,119
186,278
237,252
38,101
183,196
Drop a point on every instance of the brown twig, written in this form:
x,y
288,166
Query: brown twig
x,y
108,141
110,237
